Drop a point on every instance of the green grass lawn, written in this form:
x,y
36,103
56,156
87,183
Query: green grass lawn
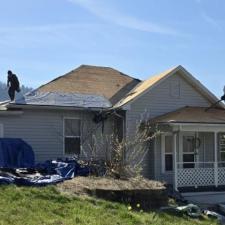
x,y
20,205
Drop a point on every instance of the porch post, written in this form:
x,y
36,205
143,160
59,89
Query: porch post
x,y
215,159
175,159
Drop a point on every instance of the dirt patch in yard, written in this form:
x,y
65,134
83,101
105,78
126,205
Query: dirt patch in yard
x,y
150,194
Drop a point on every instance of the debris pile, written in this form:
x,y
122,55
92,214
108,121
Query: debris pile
x,y
17,166
50,172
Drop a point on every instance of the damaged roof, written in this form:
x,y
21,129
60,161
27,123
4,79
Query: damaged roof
x,y
193,115
93,80
102,87
63,100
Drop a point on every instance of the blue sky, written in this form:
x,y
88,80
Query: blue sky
x,y
42,39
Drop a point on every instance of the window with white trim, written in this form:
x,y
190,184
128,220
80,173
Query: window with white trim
x,y
72,136
222,146
168,153
189,148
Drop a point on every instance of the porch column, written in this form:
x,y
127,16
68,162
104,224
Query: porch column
x,y
175,159
215,159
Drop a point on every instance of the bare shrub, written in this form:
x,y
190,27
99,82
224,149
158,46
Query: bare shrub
x,y
122,159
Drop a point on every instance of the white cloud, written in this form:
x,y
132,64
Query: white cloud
x,y
198,1
34,36
211,21
114,16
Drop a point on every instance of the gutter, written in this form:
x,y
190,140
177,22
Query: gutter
x,y
10,112
190,123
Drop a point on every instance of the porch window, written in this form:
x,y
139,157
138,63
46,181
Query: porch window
x,y
72,133
168,153
222,146
188,151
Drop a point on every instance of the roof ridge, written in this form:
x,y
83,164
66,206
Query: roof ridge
x,y
108,67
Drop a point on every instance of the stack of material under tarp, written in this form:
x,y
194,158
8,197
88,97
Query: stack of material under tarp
x,y
15,153
17,166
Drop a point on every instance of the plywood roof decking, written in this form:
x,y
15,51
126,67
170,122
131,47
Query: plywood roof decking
x,y
104,81
193,115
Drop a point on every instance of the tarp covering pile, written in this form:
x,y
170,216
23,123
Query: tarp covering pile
x,y
17,166
15,153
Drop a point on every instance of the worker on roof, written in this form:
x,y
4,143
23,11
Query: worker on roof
x,y
13,85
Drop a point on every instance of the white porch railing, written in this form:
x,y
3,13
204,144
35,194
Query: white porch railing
x,y
200,174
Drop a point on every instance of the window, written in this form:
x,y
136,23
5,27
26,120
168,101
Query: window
x,y
188,151
72,143
168,153
222,146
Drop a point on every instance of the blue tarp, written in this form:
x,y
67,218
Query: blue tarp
x,y
15,153
38,181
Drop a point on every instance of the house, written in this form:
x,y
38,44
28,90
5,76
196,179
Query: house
x,y
58,119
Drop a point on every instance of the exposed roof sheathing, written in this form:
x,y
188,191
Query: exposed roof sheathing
x,y
93,80
193,115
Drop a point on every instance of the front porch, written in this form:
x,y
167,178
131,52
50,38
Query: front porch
x,y
193,148
198,156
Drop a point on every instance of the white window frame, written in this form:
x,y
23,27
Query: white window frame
x,y
1,130
75,136
221,151
164,153
196,156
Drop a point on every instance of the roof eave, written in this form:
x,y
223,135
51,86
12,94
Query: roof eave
x,y
188,122
55,107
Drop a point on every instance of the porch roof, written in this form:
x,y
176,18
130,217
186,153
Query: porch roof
x,y
193,115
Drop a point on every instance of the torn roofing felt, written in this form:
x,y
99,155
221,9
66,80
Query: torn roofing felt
x,y
63,99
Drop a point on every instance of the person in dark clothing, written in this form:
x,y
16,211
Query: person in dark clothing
x,y
13,84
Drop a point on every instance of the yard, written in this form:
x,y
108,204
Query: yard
x,y
30,206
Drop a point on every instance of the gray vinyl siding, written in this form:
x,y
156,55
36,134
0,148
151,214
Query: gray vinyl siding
x,y
160,100
148,162
158,158
43,130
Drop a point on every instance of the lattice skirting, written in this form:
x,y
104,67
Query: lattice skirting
x,y
221,176
196,177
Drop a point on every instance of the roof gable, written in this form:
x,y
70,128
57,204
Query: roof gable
x,y
152,82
